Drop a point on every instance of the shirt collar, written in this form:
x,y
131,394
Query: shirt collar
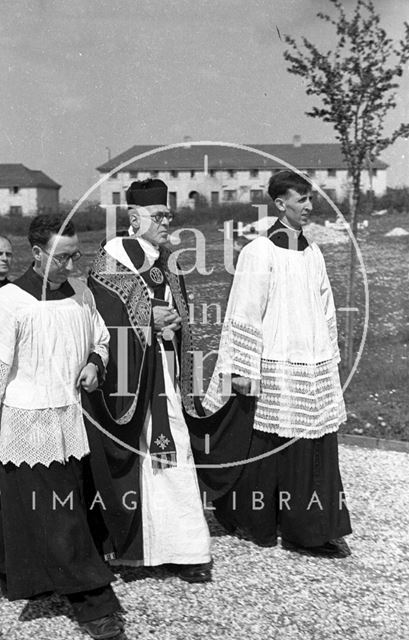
x,y
298,232
149,249
282,239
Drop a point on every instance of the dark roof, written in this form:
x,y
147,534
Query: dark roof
x,y
17,175
190,157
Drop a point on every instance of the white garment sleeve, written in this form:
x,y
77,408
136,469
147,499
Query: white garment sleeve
x,y
246,308
8,333
100,336
329,308
4,374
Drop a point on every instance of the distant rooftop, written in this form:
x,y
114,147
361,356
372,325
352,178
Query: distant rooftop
x,y
17,175
190,157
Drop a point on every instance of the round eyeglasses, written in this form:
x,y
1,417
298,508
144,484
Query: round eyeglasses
x,y
158,217
63,259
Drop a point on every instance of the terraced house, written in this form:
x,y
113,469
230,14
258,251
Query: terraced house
x,y
221,174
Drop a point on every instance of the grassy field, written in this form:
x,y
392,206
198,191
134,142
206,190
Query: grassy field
x,y
377,398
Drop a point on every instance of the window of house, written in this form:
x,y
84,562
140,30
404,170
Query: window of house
x,y
174,174
116,197
311,172
133,174
212,173
254,173
229,195
173,200
192,174
332,173
374,172
331,193
154,174
231,173
256,195
16,211
14,190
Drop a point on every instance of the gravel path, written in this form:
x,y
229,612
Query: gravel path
x,y
273,594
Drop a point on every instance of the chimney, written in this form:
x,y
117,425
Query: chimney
x,y
186,140
206,164
297,141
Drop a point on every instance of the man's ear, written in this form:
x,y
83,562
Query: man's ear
x,y
280,204
134,219
36,251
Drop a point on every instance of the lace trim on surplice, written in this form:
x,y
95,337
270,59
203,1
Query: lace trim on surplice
x,y
299,399
240,352
42,435
247,345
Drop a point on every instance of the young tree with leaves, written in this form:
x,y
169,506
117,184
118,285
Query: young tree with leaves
x,y
356,82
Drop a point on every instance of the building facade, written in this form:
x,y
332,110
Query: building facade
x,y
216,175
26,192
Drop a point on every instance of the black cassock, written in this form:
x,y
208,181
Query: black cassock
x,y
46,545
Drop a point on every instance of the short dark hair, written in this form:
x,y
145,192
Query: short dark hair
x,y
283,180
46,225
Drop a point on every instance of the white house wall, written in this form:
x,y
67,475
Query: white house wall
x,y
341,184
379,182
26,198
242,183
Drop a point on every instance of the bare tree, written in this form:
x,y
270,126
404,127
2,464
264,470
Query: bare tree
x,y
356,82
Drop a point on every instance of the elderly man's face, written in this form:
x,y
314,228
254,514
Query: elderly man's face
x,y
151,223
6,255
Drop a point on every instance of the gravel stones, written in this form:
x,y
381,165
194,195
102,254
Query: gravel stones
x,y
270,593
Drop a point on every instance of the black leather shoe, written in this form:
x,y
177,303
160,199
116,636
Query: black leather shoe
x,y
195,572
40,596
336,548
243,534
105,628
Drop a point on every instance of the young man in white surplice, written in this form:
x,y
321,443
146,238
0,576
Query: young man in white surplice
x,y
279,344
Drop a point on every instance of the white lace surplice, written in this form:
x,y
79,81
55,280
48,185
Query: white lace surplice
x,y
43,347
280,329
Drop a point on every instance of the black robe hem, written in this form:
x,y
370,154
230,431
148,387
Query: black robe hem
x,y
306,474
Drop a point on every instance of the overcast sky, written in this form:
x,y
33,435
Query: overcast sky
x,y
83,75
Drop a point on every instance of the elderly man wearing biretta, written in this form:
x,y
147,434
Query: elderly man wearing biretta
x,y
143,305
